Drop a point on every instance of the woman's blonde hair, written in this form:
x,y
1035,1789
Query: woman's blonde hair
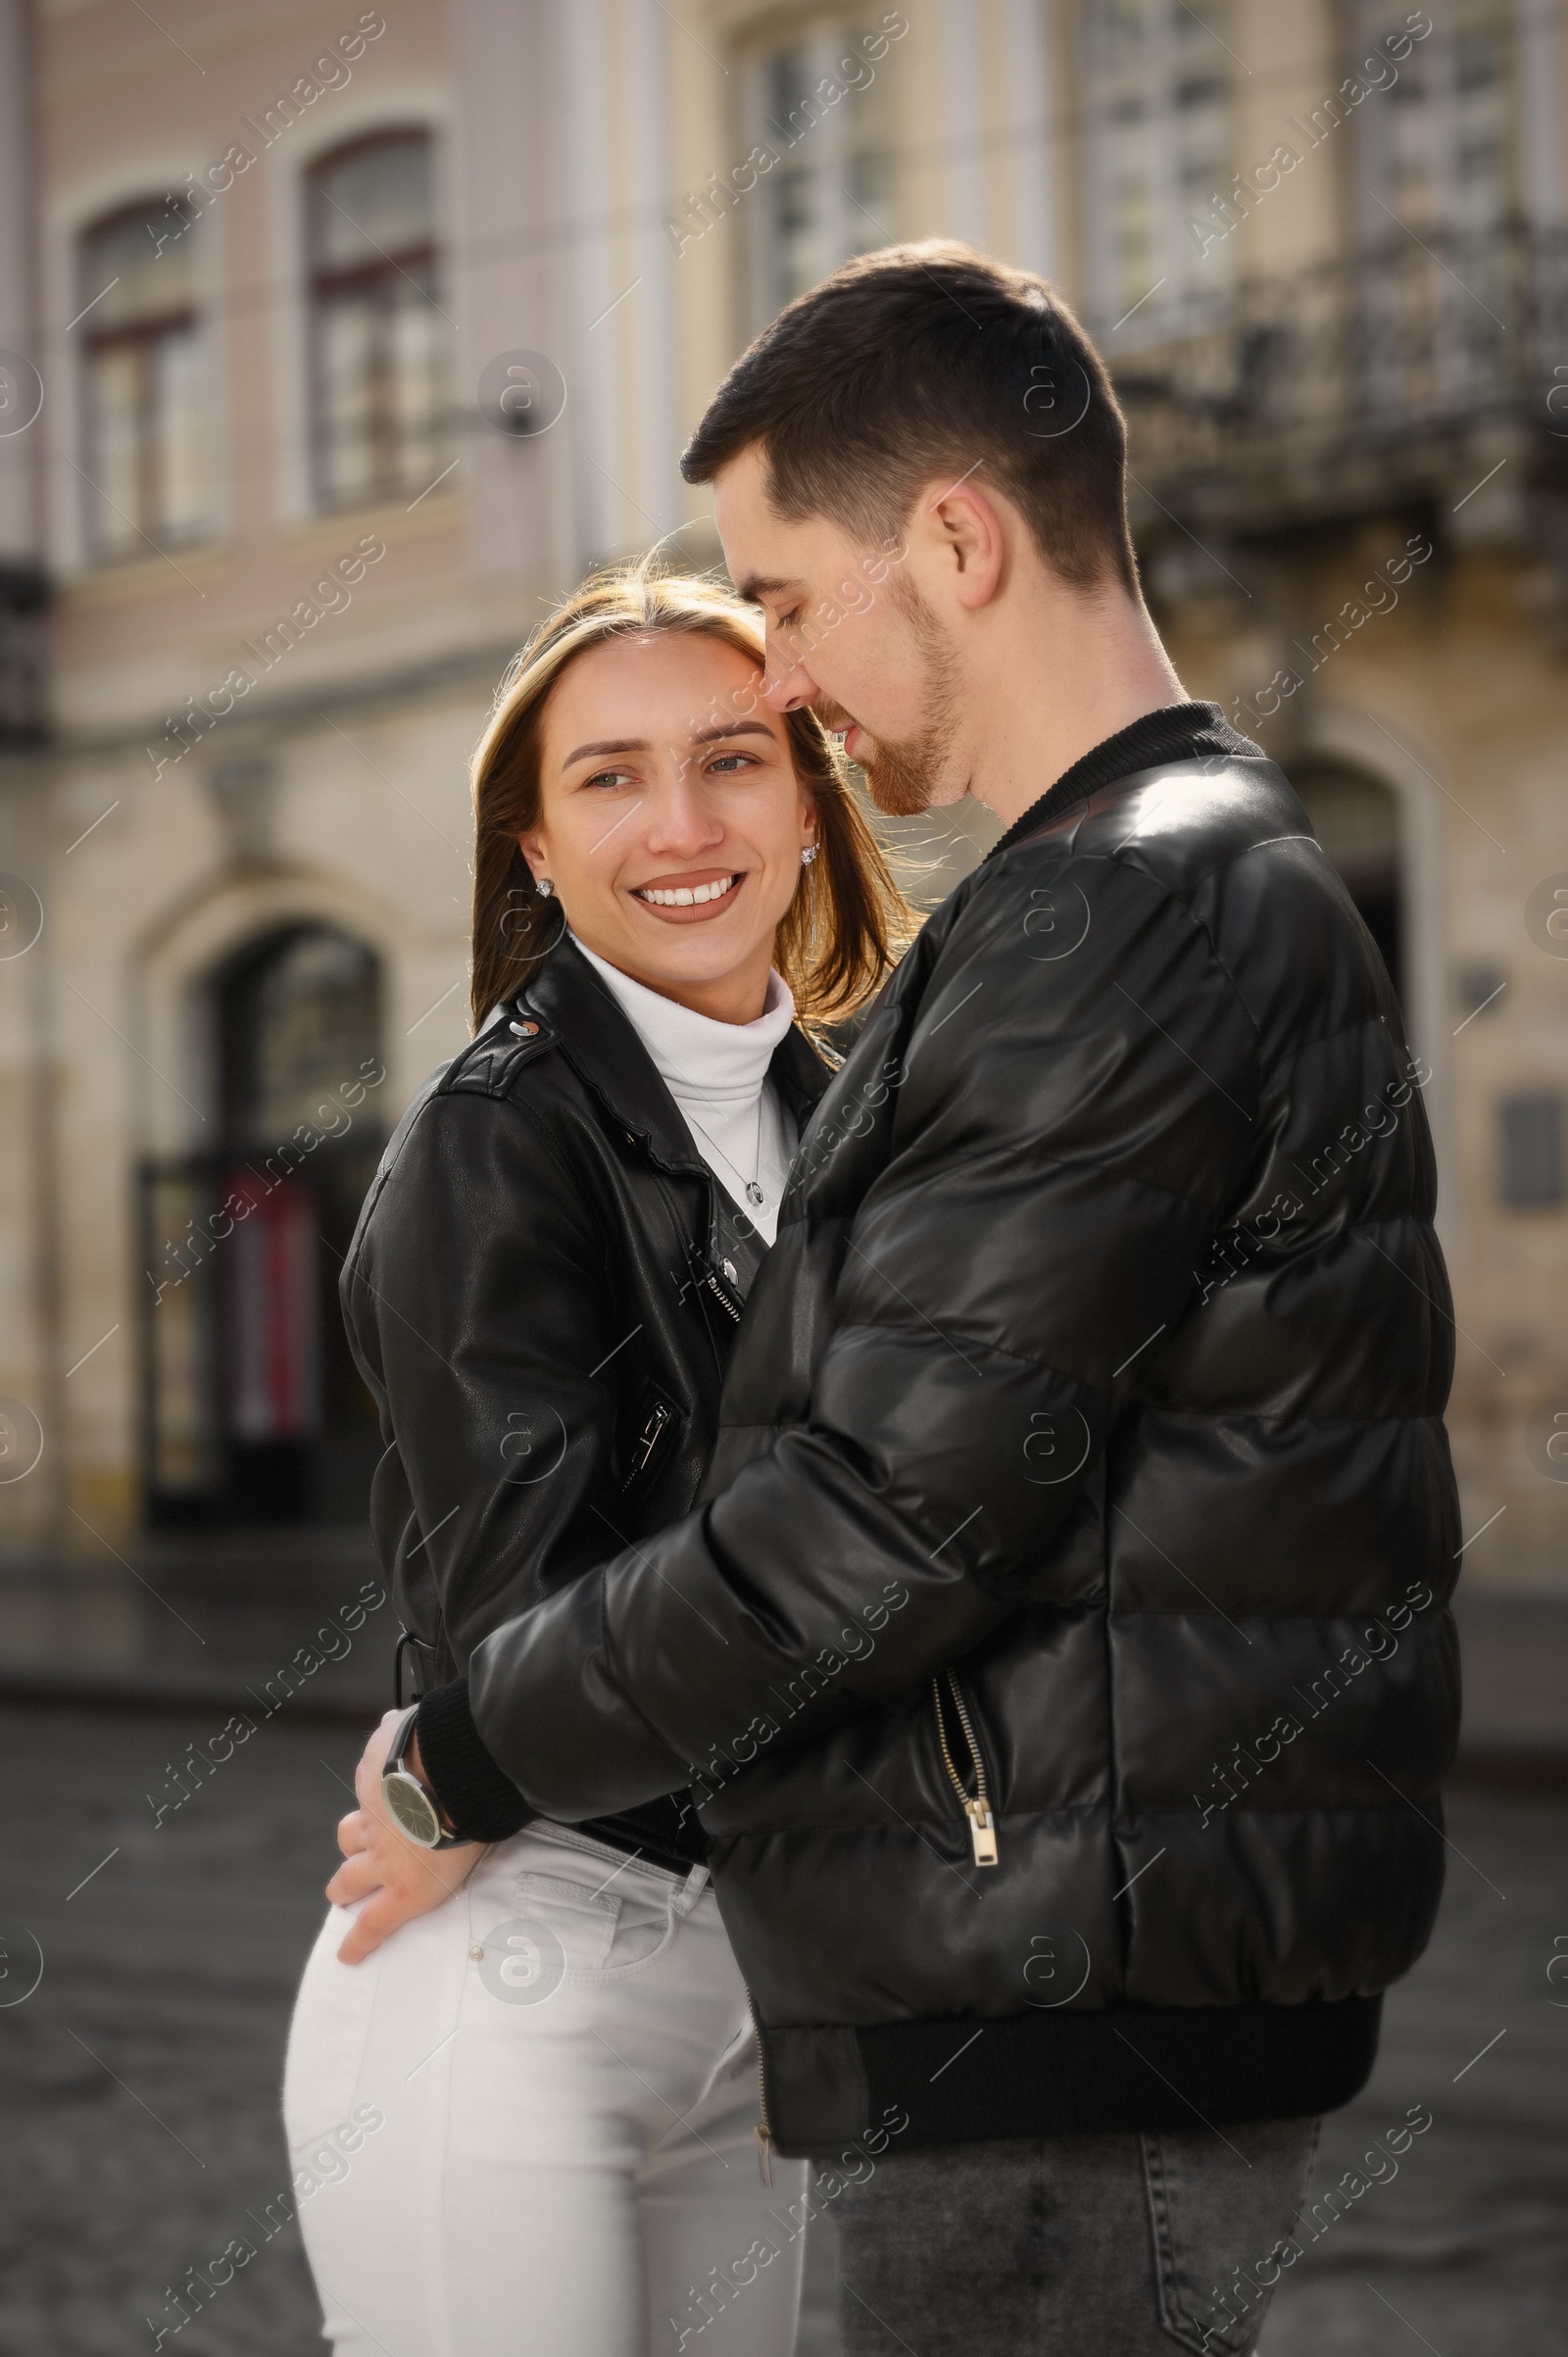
x,y
848,922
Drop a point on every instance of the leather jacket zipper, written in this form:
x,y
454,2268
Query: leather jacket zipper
x,y
720,1295
982,1825
764,2128
653,1432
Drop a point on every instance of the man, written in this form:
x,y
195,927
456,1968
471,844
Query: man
x,y
1061,1661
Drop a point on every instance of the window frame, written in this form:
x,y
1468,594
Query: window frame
x,y
141,336
322,283
1149,91
828,166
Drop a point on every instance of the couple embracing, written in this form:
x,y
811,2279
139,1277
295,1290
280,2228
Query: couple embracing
x,y
853,1516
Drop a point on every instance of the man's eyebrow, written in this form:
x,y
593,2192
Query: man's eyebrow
x,y
757,586
731,728
608,745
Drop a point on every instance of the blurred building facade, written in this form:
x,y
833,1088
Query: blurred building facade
x,y
329,350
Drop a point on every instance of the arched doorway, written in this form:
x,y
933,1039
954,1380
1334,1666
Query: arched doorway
x,y
256,1410
1357,820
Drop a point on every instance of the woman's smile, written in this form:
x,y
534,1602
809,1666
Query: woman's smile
x,y
691,898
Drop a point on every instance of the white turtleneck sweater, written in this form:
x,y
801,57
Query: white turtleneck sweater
x,y
718,1074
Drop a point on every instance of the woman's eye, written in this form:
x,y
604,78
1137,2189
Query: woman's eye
x,y
729,764
609,777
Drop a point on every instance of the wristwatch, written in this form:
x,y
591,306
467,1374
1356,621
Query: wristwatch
x,y
414,1809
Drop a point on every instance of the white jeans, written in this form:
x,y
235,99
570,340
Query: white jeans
x,y
525,2127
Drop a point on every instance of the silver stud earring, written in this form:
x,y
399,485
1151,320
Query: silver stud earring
x,y
542,886
809,855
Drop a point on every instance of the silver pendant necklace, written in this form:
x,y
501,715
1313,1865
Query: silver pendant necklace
x,y
753,1191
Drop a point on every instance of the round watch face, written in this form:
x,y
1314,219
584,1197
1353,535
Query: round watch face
x,y
412,1808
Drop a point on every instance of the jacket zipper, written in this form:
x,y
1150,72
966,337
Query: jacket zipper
x,y
653,1432
710,1280
982,1825
764,2127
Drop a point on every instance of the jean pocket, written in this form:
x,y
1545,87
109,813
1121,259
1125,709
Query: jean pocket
x,y
602,1933
1220,2213
583,1919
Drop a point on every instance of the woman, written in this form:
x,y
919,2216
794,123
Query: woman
x,y
526,2122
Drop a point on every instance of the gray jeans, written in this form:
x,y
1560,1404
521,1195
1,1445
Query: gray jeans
x,y
1071,2246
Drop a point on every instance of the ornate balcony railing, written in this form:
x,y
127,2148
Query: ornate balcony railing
x,y
1347,383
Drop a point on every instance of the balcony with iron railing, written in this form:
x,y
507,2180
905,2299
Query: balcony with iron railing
x,y
1363,383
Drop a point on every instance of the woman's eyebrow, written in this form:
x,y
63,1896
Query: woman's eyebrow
x,y
609,744
731,728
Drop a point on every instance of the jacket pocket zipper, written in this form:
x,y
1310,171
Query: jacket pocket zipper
x,y
982,1825
764,2127
653,1432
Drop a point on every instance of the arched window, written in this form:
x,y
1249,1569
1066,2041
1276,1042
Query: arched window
x,y
144,411
1356,820
298,1015
379,341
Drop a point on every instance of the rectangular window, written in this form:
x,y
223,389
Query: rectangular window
x,y
1531,1160
381,345
145,447
820,107
1431,185
1158,142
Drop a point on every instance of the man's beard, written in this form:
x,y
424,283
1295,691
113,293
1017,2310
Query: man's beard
x,y
906,774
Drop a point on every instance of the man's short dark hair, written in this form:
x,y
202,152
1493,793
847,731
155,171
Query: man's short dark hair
x,y
927,361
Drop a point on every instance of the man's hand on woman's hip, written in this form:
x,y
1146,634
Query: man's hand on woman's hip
x,y
396,1879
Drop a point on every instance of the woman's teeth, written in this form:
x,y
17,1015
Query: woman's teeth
x,y
686,895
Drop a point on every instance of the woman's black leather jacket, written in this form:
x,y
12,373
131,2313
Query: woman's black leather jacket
x,y
542,1293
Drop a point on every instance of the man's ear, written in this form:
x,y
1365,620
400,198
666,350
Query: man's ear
x,y
970,538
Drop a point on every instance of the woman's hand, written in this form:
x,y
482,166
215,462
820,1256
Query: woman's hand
x,y
395,1878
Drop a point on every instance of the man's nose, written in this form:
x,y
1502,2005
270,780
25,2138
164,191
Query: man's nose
x,y
787,685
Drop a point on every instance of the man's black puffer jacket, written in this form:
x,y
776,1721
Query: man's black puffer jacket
x,y
1085,1429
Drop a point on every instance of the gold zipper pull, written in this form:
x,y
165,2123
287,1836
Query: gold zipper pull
x,y
765,2155
982,1832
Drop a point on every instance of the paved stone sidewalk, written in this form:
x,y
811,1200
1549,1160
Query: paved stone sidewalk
x,y
139,2078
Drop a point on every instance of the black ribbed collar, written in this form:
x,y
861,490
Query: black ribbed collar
x,y
1177,732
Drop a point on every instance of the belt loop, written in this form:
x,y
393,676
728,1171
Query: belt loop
x,y
691,1890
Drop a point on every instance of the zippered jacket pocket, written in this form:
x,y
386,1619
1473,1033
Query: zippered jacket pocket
x,y
975,1804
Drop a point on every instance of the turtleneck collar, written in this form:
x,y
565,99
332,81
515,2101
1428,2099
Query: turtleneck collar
x,y
694,1055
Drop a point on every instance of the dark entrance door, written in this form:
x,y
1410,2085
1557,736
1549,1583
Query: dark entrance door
x,y
255,1409
1356,820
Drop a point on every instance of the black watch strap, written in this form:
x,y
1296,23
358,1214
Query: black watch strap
x,y
414,1808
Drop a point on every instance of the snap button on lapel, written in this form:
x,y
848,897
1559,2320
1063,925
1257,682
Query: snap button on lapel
x,y
523,1031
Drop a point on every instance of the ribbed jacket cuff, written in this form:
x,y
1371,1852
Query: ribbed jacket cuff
x,y
480,1802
